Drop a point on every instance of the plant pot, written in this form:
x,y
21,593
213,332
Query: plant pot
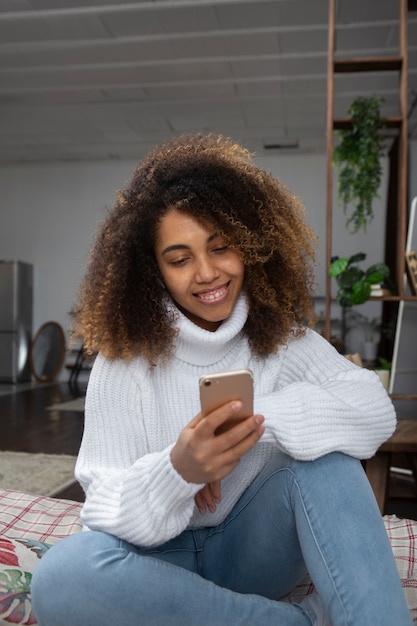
x,y
384,376
370,349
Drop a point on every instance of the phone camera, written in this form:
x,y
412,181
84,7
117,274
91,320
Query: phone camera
x,y
207,383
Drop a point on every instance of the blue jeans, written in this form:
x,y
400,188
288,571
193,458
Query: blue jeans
x,y
319,516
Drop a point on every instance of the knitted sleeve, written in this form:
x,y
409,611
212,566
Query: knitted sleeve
x,y
323,403
131,492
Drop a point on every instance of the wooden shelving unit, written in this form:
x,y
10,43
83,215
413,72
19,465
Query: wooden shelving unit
x,y
397,209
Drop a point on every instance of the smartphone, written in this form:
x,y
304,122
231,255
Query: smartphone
x,y
222,387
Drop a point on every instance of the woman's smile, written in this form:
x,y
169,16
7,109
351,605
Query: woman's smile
x,y
214,295
202,274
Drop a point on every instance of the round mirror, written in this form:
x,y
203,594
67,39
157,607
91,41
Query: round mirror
x,y
47,352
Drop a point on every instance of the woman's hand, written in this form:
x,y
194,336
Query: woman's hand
x,y
200,456
209,497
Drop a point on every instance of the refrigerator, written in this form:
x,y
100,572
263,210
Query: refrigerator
x,y
16,311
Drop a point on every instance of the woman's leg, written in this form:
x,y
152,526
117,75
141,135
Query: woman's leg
x,y
93,578
322,512
325,513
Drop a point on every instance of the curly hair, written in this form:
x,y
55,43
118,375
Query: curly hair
x,y
121,309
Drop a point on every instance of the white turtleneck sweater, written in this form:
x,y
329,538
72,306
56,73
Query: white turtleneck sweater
x,y
314,402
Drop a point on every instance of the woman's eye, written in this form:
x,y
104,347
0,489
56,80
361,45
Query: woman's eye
x,y
221,249
178,262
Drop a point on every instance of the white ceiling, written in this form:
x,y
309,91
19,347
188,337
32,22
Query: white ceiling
x,y
106,79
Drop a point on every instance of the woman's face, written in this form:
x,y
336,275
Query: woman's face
x,y
203,276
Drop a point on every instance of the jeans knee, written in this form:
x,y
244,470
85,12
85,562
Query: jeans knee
x,y
50,581
75,567
44,585
334,464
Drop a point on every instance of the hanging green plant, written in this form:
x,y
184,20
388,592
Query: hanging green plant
x,y
355,284
358,161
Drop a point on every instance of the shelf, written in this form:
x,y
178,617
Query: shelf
x,y
396,128
368,64
403,396
392,299
344,123
397,202
386,299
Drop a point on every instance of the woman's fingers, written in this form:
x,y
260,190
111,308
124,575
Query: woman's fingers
x,y
200,501
211,422
240,432
215,488
233,451
200,456
208,497
228,428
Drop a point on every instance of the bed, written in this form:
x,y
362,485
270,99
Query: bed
x,y
29,525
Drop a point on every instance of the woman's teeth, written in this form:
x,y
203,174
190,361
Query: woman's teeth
x,y
212,295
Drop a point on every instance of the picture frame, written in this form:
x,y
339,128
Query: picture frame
x,y
411,266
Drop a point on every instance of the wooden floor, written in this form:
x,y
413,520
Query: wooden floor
x,y
27,426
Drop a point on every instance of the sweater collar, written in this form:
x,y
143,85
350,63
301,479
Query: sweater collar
x,y
202,347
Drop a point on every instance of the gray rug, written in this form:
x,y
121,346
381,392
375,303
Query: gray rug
x,y
37,474
72,405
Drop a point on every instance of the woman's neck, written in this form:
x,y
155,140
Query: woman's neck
x,y
199,346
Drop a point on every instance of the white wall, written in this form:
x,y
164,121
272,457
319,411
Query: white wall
x,y
49,214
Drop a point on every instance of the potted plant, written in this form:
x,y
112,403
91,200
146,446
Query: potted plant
x,y
384,371
358,161
371,327
355,284
371,332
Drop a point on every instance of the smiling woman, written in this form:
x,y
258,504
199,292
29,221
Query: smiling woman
x,y
205,266
213,183
203,275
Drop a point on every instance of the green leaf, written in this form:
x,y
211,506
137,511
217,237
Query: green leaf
x,y
349,277
385,364
343,297
360,292
377,273
356,258
354,284
374,279
338,266
357,158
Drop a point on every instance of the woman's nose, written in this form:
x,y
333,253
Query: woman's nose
x,y
206,270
